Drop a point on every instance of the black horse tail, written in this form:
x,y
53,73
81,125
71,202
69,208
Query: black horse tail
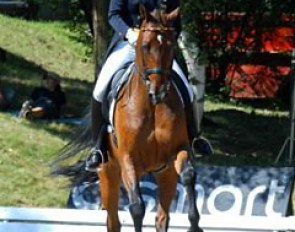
x,y
70,160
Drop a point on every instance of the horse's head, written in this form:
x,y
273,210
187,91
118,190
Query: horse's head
x,y
155,51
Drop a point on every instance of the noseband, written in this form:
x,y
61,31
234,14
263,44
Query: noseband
x,y
147,71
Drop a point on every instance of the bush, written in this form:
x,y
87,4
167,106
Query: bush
x,y
58,9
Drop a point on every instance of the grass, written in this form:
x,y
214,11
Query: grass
x,y
245,135
35,47
48,45
241,134
26,150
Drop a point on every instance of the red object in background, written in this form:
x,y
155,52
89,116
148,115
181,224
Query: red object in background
x,y
251,80
261,81
255,81
279,40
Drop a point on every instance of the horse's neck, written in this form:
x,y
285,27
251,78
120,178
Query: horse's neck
x,y
139,88
135,92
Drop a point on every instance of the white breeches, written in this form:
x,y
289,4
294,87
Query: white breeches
x,y
124,53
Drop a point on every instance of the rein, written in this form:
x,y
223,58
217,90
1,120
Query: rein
x,y
147,71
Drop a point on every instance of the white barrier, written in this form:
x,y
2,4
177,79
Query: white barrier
x,y
71,220
4,5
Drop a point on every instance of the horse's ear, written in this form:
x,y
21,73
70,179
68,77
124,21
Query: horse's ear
x,y
143,12
172,16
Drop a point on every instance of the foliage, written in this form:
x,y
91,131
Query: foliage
x,y
262,15
81,22
52,9
211,23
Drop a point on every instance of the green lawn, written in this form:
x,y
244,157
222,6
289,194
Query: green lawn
x,y
35,47
48,45
240,134
27,148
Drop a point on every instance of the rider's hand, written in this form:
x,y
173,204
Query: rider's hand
x,y
132,36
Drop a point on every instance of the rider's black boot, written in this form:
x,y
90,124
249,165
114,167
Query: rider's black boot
x,y
199,143
96,156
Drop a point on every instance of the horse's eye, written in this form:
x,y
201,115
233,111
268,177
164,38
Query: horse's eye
x,y
169,43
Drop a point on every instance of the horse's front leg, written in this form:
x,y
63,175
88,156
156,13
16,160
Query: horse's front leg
x,y
187,174
136,204
167,181
110,188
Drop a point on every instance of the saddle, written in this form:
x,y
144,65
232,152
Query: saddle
x,y
119,79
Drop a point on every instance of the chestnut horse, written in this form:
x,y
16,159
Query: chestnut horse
x,y
151,131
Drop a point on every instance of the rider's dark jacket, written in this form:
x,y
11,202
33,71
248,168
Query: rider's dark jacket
x,y
124,14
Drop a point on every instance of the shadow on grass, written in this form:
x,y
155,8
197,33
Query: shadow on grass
x,y
241,138
23,76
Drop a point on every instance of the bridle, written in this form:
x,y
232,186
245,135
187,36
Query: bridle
x,y
147,71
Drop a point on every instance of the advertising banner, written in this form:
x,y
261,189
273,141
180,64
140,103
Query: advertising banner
x,y
220,190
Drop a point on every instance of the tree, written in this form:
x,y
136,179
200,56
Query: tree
x,y
86,6
101,32
95,14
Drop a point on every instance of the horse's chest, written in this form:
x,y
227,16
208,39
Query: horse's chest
x,y
163,136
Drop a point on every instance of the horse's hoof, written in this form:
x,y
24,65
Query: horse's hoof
x,y
195,230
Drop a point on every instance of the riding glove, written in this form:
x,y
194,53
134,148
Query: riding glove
x,y
132,36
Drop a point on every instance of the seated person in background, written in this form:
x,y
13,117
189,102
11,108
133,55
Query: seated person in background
x,y
47,101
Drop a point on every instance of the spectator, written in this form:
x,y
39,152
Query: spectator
x,y
46,101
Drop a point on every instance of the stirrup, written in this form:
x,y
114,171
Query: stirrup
x,y
202,146
94,160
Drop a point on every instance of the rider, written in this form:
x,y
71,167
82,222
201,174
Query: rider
x,y
124,17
